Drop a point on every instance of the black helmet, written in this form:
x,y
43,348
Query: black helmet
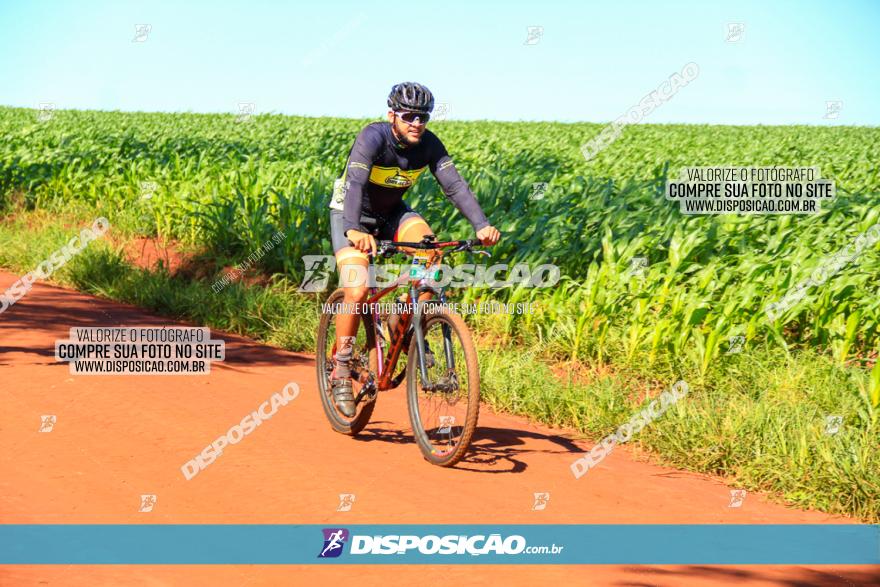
x,y
411,96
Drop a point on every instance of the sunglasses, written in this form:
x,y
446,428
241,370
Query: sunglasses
x,y
413,117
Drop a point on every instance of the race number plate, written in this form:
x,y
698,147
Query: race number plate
x,y
338,198
419,268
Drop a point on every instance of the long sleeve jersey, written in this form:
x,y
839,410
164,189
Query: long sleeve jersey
x,y
379,170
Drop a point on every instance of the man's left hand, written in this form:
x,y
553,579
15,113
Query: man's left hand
x,y
488,235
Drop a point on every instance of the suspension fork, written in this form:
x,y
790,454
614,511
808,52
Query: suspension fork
x,y
417,330
377,336
420,335
447,339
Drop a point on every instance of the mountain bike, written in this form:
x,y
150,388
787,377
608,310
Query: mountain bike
x,y
442,376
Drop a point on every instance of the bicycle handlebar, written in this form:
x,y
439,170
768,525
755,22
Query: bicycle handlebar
x,y
388,248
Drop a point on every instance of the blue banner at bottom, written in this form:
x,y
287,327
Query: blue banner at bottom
x,y
703,544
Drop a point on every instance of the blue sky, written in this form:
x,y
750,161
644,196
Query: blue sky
x,y
593,61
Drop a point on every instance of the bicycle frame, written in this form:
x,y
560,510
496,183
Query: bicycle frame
x,y
387,364
417,286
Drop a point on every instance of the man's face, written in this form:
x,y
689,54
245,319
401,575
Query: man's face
x,y
409,134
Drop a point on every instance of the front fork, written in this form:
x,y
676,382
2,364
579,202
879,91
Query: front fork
x,y
418,308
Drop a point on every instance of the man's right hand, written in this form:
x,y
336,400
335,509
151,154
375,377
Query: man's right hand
x,y
362,241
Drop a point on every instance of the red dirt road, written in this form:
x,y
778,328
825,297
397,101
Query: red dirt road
x,y
118,437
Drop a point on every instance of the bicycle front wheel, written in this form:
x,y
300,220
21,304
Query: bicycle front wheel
x,y
444,409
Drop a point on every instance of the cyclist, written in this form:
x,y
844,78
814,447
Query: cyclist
x,y
367,203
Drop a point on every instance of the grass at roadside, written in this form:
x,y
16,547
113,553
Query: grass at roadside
x,y
208,181
757,418
275,315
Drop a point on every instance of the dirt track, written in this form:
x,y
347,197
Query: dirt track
x,y
118,437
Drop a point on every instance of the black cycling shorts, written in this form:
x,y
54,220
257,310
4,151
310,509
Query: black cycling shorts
x,y
382,227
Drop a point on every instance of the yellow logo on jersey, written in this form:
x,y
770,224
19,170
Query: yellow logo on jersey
x,y
395,176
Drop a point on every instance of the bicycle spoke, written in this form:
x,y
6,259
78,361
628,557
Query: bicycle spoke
x,y
442,412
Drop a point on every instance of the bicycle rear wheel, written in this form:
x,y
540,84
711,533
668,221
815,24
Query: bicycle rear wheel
x,y
364,366
444,410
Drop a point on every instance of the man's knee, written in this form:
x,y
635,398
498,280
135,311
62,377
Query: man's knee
x,y
355,294
413,229
352,266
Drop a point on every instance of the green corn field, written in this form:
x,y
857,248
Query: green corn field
x,y
228,185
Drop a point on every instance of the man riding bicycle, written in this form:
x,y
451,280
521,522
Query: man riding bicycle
x,y
367,202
